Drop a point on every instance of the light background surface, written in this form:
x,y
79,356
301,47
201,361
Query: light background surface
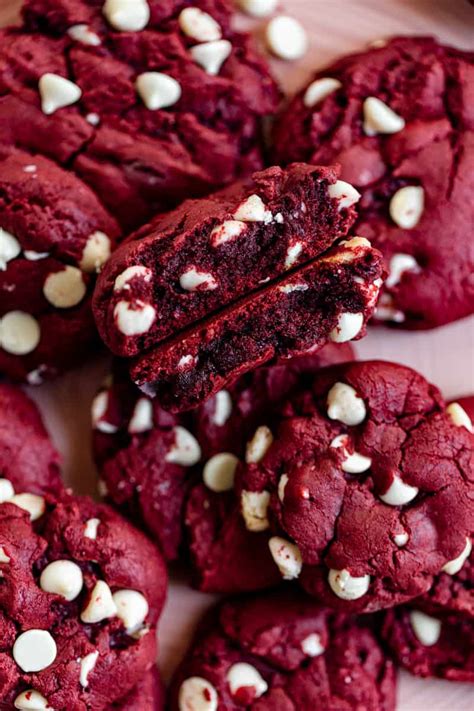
x,y
445,356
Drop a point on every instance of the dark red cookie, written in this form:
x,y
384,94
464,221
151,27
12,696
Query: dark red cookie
x,y
429,645
148,460
285,652
54,236
81,594
330,299
207,253
366,486
164,100
399,121
148,695
28,460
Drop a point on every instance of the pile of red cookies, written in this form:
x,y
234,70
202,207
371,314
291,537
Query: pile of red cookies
x,y
148,208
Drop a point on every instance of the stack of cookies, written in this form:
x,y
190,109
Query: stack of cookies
x,y
159,201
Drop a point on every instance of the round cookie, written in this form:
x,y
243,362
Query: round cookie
x,y
151,461
81,594
54,236
366,486
29,463
162,101
399,121
431,645
283,651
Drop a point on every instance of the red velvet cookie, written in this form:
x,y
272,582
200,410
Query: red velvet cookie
x,y
207,253
54,236
150,463
148,695
80,598
161,100
431,645
399,121
285,652
366,486
28,460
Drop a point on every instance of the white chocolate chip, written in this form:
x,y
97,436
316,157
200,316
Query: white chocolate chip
x,y
33,256
292,254
132,609
142,417
99,409
19,333
7,492
284,479
193,280
93,119
455,565
354,463
348,326
401,539
406,206
197,694
101,604
87,665
258,445
426,629
123,280
252,209
9,248
219,470
287,556
346,586
258,8
31,700
187,361
30,168
286,37
344,193
254,510
459,416
290,288
386,311
211,55
199,25
222,408
4,558
62,577
398,265
379,118
34,650
186,450
65,289
319,90
127,15
158,90
90,529
36,376
355,243
82,33
96,252
242,675
32,503
229,230
399,493
311,645
134,319
57,92
345,405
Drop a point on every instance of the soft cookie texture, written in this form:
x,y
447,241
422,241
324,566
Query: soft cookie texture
x,y
209,252
283,651
366,486
431,644
399,121
29,463
54,236
153,466
148,695
149,101
80,597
